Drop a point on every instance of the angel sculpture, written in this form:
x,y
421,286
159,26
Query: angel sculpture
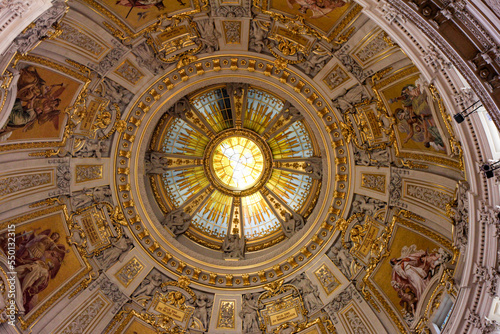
x,y
233,246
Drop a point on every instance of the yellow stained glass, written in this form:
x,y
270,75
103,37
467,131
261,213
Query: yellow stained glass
x,y
238,163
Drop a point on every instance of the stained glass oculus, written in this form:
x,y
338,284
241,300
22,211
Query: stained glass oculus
x,y
238,162
244,175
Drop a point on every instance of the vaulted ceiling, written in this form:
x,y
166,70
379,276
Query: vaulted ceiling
x,y
265,166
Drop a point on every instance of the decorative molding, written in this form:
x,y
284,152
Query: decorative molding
x,y
376,182
126,274
336,77
226,316
327,279
129,72
430,196
45,26
354,321
84,318
110,60
111,291
80,39
18,183
84,173
232,31
434,58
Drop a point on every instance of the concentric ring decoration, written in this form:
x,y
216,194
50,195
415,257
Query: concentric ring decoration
x,y
182,256
214,168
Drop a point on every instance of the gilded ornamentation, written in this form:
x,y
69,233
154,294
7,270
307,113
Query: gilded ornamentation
x,y
166,312
129,72
102,119
226,317
346,21
375,182
172,79
129,271
274,288
232,31
86,173
274,312
327,279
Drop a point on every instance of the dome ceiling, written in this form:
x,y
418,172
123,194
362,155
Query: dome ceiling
x,y
213,166
256,167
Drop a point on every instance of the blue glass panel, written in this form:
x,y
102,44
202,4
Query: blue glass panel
x,y
215,107
259,219
182,184
262,109
292,188
181,138
213,217
294,142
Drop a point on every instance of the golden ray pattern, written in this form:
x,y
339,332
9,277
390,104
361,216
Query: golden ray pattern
x,y
215,107
183,184
259,219
213,217
183,139
291,187
294,142
262,109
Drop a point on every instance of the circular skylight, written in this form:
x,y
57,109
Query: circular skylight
x,y
238,162
234,170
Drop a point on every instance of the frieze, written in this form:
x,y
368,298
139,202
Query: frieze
x,y
86,173
17,183
111,291
81,39
373,182
88,315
